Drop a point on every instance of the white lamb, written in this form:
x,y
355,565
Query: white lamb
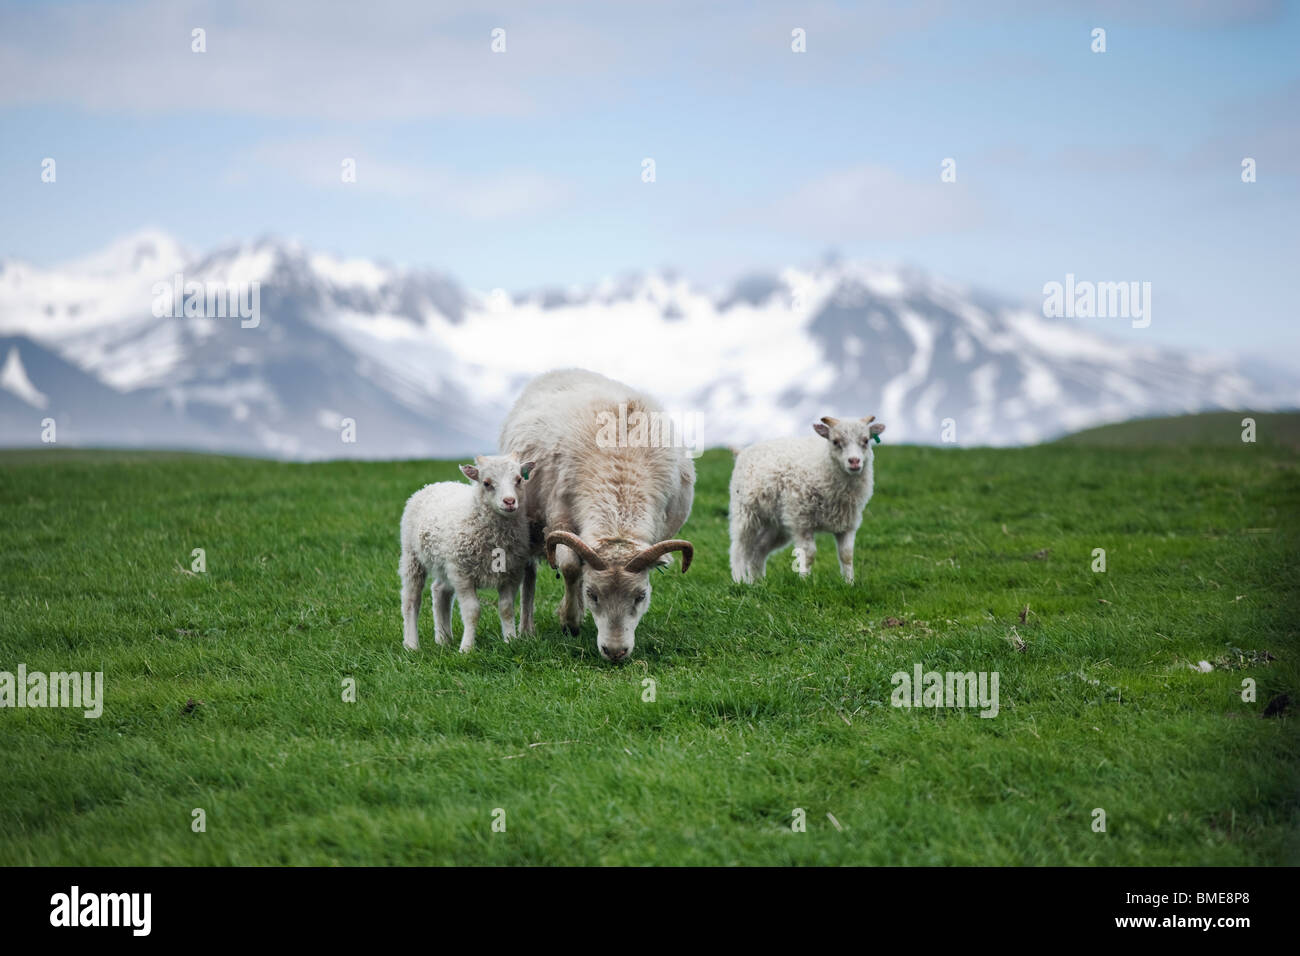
x,y
791,488
467,538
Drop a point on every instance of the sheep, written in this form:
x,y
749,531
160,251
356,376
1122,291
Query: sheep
x,y
791,488
607,501
467,538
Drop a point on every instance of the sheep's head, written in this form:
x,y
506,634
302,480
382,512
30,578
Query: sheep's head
x,y
616,584
849,441
499,481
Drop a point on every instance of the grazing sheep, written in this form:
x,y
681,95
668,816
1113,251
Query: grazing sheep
x,y
791,488
606,503
467,537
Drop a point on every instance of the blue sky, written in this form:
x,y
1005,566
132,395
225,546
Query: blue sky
x,y
523,168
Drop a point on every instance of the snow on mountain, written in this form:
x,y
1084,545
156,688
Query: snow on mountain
x,y
421,367
14,379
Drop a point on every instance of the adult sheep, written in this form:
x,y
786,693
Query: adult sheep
x,y
606,502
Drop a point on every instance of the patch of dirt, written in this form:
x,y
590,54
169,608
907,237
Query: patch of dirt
x,y
1236,659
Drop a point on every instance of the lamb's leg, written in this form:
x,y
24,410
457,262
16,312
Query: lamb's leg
x,y
469,608
742,564
442,595
527,593
506,608
751,543
805,549
740,529
844,547
413,575
770,539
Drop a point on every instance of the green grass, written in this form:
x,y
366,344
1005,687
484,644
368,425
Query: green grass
x,y
1276,431
768,698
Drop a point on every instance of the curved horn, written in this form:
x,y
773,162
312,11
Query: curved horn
x,y
569,539
653,553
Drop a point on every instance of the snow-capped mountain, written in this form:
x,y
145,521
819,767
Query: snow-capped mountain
x,y
351,358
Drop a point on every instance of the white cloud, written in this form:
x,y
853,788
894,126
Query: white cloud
x,y
484,196
873,202
382,59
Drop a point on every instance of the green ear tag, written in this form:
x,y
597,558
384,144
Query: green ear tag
x,y
876,437
524,471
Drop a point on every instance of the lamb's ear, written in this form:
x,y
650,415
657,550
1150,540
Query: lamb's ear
x,y
868,419
821,429
527,469
877,428
470,472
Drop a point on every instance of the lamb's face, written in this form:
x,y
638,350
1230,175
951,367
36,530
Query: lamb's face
x,y
617,600
849,441
499,481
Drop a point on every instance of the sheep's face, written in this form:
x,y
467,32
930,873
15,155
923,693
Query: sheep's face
x,y
499,481
848,441
614,584
617,600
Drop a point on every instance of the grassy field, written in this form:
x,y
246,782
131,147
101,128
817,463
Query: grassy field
x,y
224,689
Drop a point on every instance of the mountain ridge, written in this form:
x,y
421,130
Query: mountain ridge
x,y
422,367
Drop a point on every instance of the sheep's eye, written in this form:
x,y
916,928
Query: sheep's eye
x,y
838,443
591,593
518,479
638,597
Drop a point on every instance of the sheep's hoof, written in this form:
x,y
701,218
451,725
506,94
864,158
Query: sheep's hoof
x,y
570,630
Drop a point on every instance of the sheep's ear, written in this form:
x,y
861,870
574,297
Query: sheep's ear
x,y
877,428
527,469
868,419
470,472
821,429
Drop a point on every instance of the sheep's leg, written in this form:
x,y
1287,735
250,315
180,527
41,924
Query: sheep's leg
x,y
844,547
751,543
742,565
442,595
469,608
805,549
571,608
769,539
506,608
527,594
742,553
413,575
